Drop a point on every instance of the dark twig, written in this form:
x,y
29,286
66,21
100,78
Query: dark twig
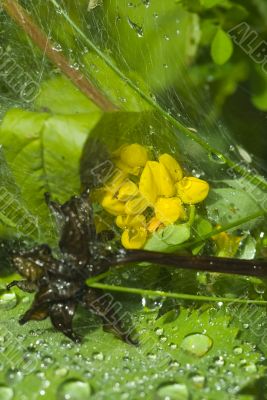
x,y
203,263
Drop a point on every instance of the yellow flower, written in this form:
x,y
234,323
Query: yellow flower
x,y
136,206
161,188
116,181
192,190
130,221
112,205
134,155
153,224
134,238
125,168
169,210
127,191
172,167
131,158
227,244
155,181
147,185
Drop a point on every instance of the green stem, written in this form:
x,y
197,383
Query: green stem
x,y
181,296
224,228
234,166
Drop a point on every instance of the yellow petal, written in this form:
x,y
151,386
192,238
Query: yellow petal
x,y
147,185
227,244
169,210
134,155
153,224
127,191
117,180
156,181
172,166
164,181
112,205
134,238
130,221
192,190
126,168
136,206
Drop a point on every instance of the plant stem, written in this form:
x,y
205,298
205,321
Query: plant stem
x,y
173,121
181,296
223,228
23,19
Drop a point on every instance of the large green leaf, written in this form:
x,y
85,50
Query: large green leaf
x,y
43,149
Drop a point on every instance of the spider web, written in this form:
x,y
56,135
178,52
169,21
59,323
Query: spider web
x,y
152,42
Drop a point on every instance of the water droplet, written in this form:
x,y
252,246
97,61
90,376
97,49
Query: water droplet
x,y
259,288
6,393
219,361
172,391
13,376
159,331
138,29
75,66
244,154
151,356
163,339
218,158
199,381
57,47
251,368
146,3
238,350
197,344
98,355
8,300
61,372
73,389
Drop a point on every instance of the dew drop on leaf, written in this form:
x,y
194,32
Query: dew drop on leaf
x,y
250,368
61,372
173,391
138,29
13,376
73,389
216,158
98,356
8,300
197,344
6,393
159,331
238,350
199,381
219,361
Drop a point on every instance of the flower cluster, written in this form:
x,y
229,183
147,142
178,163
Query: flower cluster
x,y
146,195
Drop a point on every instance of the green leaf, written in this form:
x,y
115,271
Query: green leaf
x,y
214,3
43,154
163,349
221,47
225,205
60,96
15,219
259,88
167,239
